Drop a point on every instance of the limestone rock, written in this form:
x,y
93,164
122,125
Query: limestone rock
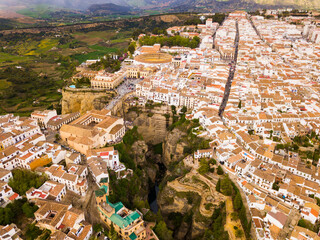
x,y
140,148
172,147
83,100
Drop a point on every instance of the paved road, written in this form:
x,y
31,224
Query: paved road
x,y
231,74
128,85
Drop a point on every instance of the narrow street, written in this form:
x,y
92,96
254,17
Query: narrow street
x,y
229,226
231,74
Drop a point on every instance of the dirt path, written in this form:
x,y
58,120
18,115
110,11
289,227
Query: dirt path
x,y
209,195
230,224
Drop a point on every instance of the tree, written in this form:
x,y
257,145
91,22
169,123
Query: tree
x,y
271,132
302,223
24,179
275,186
184,109
218,185
131,48
212,161
57,137
162,231
97,227
220,170
237,202
204,167
33,231
269,17
234,216
225,186
239,233
173,109
29,209
239,105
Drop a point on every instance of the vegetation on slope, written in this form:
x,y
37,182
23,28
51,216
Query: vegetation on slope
x,y
170,41
228,188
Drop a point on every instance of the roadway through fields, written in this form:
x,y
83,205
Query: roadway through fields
x,y
231,74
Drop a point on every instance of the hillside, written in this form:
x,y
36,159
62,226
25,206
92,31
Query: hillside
x,y
172,5
308,4
108,8
230,5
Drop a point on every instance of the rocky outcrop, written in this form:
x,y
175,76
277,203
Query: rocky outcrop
x,y
141,152
198,227
152,123
186,192
83,100
173,147
140,148
170,201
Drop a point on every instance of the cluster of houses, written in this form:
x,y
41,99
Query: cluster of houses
x,y
49,119
24,146
274,97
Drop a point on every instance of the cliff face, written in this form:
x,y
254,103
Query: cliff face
x,y
152,123
140,153
188,194
173,147
83,100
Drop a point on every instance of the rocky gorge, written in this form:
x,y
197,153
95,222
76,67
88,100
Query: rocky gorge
x,y
185,202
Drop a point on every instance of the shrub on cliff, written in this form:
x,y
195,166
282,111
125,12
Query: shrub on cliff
x,y
162,231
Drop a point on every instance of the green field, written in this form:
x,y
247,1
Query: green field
x,y
38,11
10,59
44,46
101,43
94,55
4,84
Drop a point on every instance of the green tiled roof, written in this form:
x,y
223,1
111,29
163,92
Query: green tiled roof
x,y
133,236
105,188
104,180
124,222
117,219
133,216
100,192
118,206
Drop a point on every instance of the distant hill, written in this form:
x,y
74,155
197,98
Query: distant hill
x,y
225,5
109,8
166,5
